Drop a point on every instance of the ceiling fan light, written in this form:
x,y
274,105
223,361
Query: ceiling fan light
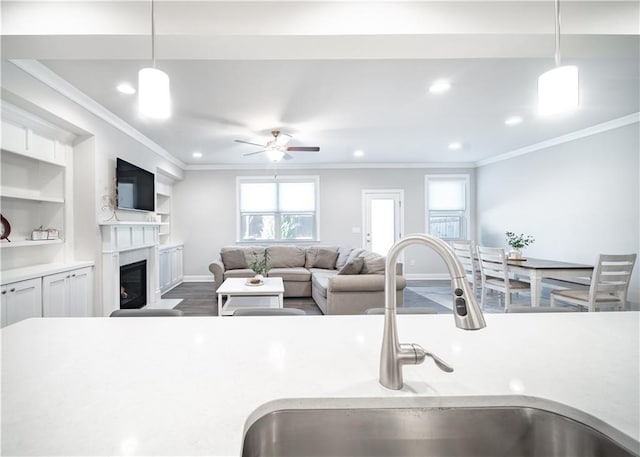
x,y
558,90
154,99
275,155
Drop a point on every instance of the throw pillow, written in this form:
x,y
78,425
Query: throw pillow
x,y
352,268
234,259
373,263
325,258
343,256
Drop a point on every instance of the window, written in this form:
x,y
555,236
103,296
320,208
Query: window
x,y
278,209
447,200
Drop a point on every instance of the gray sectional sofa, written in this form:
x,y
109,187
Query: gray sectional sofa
x,y
340,280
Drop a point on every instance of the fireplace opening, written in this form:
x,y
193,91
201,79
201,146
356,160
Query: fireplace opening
x,y
133,285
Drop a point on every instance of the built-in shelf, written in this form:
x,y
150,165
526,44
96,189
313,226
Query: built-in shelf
x,y
19,244
30,197
35,271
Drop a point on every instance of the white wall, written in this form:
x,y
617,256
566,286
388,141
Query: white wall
x,y
204,210
578,199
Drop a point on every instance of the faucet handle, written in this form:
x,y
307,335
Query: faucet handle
x,y
419,354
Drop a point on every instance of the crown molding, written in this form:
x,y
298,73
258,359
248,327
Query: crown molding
x,y
51,79
578,134
329,166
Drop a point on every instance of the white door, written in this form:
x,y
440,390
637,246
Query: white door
x,y
383,219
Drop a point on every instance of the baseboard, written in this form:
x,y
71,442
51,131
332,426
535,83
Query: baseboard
x,y
198,278
427,277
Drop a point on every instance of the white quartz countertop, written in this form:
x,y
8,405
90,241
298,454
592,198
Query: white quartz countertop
x,y
186,386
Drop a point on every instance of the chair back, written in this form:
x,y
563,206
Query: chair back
x,y
464,250
611,276
493,263
269,312
144,312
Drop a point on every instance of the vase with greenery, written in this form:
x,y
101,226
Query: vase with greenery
x,y
517,242
260,264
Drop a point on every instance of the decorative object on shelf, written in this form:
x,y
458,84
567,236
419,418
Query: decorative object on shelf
x,y
110,202
260,264
5,229
39,234
53,234
558,88
517,242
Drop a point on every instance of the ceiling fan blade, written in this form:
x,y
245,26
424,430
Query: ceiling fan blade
x,y
287,156
304,148
249,142
283,138
252,153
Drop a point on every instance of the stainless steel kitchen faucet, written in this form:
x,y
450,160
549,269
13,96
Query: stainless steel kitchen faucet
x,y
467,313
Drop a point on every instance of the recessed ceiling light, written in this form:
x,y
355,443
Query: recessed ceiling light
x,y
126,88
196,155
358,153
513,120
455,146
440,86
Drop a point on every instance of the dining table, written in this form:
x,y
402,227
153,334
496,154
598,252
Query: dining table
x,y
536,269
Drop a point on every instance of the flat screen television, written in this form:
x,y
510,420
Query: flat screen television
x,y
136,187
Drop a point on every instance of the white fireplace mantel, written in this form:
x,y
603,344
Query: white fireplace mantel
x,y
124,242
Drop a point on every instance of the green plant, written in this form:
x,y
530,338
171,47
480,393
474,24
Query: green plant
x,y
260,264
519,241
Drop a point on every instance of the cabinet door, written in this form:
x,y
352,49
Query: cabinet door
x,y
81,293
55,294
22,300
165,270
179,264
174,266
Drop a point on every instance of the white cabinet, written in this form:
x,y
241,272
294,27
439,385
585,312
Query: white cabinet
x,y
171,267
68,294
21,300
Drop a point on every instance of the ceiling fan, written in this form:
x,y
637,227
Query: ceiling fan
x,y
277,148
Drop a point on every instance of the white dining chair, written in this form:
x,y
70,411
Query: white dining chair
x,y
495,275
608,288
466,253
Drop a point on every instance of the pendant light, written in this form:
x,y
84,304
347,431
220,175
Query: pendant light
x,y
558,89
154,98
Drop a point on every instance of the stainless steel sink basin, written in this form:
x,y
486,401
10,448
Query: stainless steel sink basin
x,y
425,431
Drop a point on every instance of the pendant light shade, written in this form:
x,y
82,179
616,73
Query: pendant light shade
x,y
558,90
154,99
154,96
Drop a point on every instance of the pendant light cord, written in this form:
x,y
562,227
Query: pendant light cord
x,y
557,54
153,36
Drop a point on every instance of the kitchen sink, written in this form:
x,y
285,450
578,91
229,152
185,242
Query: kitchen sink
x,y
425,432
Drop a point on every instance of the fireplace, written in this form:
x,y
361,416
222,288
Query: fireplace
x,y
133,285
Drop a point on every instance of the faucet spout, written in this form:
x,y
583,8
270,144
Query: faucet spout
x,y
466,312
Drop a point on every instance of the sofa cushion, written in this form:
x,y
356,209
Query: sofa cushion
x,y
296,274
355,252
343,255
373,263
325,258
311,253
241,273
233,259
247,250
352,268
286,256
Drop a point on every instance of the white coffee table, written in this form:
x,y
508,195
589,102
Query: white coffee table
x,y
240,295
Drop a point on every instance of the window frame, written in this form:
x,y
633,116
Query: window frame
x,y
278,214
467,222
